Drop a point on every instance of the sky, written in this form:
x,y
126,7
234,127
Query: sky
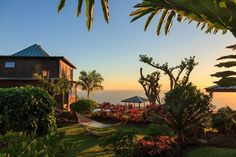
x,y
112,49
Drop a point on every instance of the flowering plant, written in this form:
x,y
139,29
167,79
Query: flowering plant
x,y
121,112
158,146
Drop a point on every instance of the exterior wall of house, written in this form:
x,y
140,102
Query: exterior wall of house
x,y
65,70
72,95
27,67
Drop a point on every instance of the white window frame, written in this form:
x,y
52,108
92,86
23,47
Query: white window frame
x,y
10,64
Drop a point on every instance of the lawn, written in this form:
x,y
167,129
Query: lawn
x,y
88,145
211,152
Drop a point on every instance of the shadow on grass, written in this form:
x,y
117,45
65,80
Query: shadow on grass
x,y
84,144
88,145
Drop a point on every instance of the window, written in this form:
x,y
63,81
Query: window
x,y
10,64
45,73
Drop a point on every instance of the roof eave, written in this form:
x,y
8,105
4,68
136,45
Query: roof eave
x,y
68,62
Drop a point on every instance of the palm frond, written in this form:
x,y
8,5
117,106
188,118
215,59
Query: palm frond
x,y
61,5
89,13
227,57
161,21
149,19
79,6
233,47
169,21
206,13
105,10
224,74
226,64
89,10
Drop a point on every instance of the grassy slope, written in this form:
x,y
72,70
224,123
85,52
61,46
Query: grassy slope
x,y
88,145
211,152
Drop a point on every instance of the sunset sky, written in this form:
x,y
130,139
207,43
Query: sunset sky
x,y
112,49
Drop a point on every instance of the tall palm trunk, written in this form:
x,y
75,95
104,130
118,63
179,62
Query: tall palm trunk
x,y
88,93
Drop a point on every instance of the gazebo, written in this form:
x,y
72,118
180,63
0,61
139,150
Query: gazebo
x,y
217,88
135,99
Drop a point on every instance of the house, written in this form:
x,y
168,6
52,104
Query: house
x,y
20,68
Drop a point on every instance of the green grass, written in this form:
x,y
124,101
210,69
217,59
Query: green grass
x,y
211,152
88,145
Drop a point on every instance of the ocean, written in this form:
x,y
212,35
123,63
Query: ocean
x,y
115,96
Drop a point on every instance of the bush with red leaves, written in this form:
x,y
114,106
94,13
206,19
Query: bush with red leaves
x,y
159,146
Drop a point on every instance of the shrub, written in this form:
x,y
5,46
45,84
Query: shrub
x,y
26,109
122,142
156,114
159,141
18,144
187,106
159,130
83,106
160,146
225,119
120,112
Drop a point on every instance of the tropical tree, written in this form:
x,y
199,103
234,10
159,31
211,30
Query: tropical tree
x,y
151,86
214,15
90,81
225,119
186,66
55,87
187,107
89,10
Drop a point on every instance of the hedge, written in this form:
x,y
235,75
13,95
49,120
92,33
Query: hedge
x,y
26,109
83,106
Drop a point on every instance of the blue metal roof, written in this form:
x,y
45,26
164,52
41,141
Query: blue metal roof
x,y
32,51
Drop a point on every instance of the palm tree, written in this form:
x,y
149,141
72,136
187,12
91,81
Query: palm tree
x,y
90,81
89,10
210,14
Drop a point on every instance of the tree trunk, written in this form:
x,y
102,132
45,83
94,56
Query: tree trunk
x,y
63,98
180,135
88,93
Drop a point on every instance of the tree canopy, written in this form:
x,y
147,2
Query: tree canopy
x,y
90,81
